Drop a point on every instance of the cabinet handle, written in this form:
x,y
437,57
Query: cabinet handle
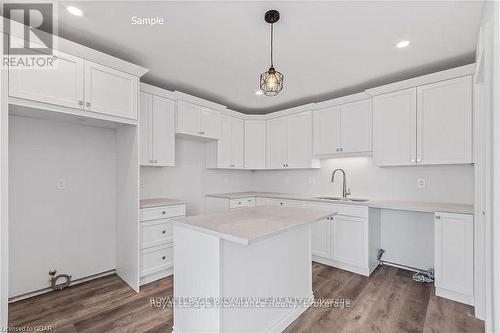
x,y
164,212
438,217
201,132
80,102
281,203
337,149
164,232
341,149
163,258
239,202
87,104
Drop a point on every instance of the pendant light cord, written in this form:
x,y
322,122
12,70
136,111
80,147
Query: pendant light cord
x,y
272,65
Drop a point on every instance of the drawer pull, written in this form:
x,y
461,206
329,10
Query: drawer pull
x,y
164,212
164,232
239,202
163,258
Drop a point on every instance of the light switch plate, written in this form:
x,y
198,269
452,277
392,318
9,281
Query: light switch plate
x,y
421,183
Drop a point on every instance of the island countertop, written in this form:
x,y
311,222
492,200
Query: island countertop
x,y
248,225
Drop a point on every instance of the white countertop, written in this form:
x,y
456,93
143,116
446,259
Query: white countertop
x,y
159,202
418,206
248,225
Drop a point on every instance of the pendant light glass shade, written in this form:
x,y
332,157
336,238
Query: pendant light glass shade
x,y
271,81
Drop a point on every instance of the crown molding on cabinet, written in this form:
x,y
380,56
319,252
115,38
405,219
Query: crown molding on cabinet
x,y
147,88
199,101
422,80
78,50
342,100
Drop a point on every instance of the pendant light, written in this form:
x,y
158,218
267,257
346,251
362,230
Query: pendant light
x,y
271,81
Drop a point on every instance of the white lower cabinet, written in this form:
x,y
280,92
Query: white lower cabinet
x,y
156,246
222,204
454,256
343,241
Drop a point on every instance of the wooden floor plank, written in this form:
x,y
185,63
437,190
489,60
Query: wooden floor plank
x,y
388,301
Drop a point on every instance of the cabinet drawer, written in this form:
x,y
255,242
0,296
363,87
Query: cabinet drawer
x,y
284,203
351,210
242,202
156,213
156,232
154,260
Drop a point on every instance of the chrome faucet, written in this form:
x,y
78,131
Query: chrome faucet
x,y
345,192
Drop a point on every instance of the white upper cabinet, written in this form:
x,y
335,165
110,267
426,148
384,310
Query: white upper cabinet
x,y
61,85
145,128
429,124
255,144
276,143
356,127
227,152
299,140
109,91
394,128
444,122
196,120
289,142
163,131
341,129
326,135
157,130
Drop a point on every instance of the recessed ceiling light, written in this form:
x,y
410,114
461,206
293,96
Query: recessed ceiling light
x,y
74,11
258,92
402,44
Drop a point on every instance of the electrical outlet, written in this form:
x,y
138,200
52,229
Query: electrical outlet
x,y
421,183
61,184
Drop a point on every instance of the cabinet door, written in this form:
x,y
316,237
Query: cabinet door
x,y
326,134
145,129
321,231
237,128
255,144
276,143
394,128
299,140
444,122
163,131
188,118
110,92
356,127
349,236
61,85
454,254
224,143
209,123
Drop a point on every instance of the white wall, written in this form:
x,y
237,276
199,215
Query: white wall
x,y
189,180
54,228
448,183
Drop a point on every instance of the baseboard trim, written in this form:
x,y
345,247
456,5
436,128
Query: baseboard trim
x,y
156,276
354,269
289,317
73,283
455,296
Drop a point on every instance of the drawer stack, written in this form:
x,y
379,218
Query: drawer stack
x,y
156,241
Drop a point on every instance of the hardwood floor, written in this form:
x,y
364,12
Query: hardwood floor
x,y
388,301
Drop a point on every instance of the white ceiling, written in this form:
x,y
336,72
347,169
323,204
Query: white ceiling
x,y
216,50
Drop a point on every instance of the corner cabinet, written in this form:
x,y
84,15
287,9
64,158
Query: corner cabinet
x,y
196,120
429,124
79,84
343,129
227,152
255,144
289,142
157,130
454,256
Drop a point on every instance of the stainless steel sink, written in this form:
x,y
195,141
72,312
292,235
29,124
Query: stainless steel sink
x,y
342,199
329,198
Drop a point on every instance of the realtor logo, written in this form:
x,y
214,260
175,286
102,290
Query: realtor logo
x,y
33,16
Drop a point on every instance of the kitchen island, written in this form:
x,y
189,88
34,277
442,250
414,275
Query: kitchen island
x,y
247,269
